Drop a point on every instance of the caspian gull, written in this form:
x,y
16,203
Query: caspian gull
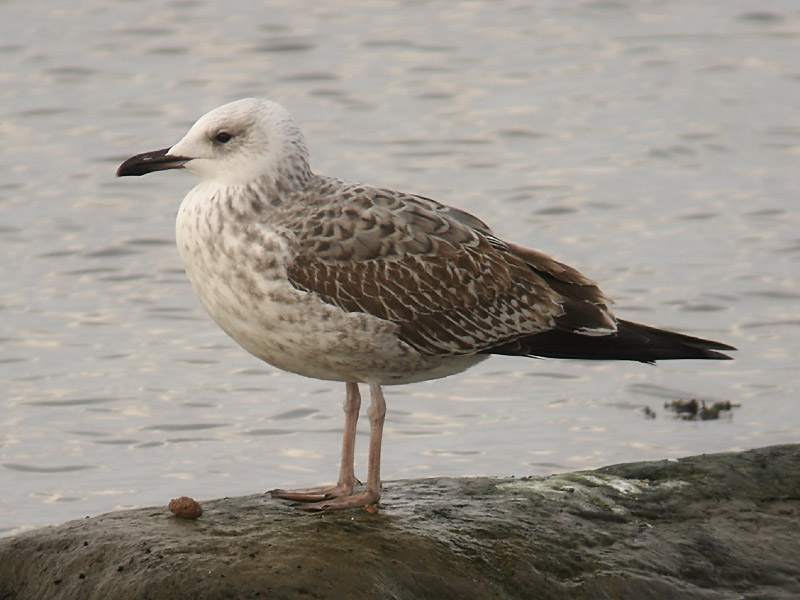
x,y
342,281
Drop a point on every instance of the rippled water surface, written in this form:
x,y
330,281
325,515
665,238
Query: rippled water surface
x,y
653,145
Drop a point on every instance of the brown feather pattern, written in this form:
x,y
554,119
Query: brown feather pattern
x,y
436,272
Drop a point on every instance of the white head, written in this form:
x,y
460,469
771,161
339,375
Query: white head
x,y
237,143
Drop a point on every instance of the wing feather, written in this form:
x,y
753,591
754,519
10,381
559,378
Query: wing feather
x,y
436,272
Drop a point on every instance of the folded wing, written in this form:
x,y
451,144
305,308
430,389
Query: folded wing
x,y
453,288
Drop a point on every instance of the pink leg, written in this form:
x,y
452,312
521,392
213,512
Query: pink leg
x,y
377,415
372,493
347,477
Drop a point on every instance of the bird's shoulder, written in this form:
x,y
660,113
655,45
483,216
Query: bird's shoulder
x,y
337,221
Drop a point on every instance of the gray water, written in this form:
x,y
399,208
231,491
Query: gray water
x,y
653,145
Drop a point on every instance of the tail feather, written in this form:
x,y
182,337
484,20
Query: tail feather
x,y
631,341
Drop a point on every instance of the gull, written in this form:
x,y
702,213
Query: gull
x,y
347,282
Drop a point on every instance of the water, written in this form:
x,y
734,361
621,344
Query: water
x,y
654,146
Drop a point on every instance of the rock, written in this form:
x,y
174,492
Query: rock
x,y
712,526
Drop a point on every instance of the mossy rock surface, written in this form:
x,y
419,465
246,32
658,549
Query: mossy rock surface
x,y
711,526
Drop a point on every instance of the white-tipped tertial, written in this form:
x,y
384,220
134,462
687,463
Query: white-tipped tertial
x,y
342,281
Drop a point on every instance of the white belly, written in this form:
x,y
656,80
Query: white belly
x,y
237,267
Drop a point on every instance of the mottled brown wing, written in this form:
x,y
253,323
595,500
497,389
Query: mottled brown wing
x,y
436,272
586,309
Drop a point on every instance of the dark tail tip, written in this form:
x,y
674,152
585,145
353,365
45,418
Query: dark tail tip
x,y
631,341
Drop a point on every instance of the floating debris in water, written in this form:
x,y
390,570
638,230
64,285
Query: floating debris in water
x,y
692,410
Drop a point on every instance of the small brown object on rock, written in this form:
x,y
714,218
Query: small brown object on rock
x,y
185,507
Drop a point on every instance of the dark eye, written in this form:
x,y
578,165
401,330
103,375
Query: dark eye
x,y
223,137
